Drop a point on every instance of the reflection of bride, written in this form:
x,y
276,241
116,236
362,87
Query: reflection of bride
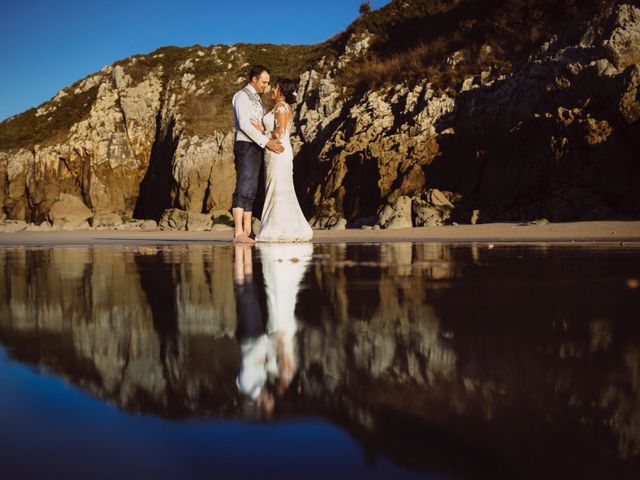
x,y
272,356
283,267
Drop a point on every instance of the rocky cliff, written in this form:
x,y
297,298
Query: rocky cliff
x,y
391,130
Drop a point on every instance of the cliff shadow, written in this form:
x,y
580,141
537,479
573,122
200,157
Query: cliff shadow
x,y
310,174
158,185
527,147
158,284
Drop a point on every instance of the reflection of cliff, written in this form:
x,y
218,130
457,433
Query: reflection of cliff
x,y
427,354
122,329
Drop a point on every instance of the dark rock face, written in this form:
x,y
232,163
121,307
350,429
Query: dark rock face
x,y
556,138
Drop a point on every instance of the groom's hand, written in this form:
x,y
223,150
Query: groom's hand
x,y
275,146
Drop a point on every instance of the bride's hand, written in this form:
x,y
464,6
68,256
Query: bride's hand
x,y
258,125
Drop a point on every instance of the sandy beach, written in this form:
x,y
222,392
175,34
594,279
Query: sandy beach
x,y
577,232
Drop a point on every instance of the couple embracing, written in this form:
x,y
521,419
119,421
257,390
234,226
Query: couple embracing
x,y
259,132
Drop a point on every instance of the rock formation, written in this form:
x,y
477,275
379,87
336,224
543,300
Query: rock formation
x,y
553,136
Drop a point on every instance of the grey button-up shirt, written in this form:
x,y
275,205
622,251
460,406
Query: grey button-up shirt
x,y
247,106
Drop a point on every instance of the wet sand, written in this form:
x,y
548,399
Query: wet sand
x,y
575,232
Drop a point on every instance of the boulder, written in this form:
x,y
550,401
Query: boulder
x,y
176,219
426,215
340,225
396,214
69,213
432,208
109,220
148,225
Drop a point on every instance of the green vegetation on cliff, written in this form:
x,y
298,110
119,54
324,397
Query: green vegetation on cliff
x,y
448,41
445,41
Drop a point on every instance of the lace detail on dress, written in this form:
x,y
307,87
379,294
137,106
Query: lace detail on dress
x,y
282,108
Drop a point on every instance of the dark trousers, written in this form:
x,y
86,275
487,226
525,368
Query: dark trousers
x,y
250,320
248,160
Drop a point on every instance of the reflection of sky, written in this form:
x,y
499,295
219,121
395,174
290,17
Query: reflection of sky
x,y
52,430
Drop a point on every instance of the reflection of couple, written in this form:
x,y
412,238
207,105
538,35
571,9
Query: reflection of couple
x,y
268,358
256,130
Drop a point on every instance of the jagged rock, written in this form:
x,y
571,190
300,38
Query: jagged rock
x,y
624,38
426,215
432,208
69,213
438,198
176,219
396,215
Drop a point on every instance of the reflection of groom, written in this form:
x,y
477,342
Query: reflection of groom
x,y
247,150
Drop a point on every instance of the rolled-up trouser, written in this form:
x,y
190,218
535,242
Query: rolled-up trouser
x,y
248,158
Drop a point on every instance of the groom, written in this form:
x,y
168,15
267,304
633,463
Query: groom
x,y
247,150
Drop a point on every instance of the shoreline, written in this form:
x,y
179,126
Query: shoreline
x,y
627,232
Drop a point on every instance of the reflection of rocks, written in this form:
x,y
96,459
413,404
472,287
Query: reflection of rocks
x,y
391,339
119,346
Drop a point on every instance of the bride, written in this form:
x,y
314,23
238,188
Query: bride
x,y
282,217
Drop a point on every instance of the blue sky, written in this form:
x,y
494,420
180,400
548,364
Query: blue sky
x,y
47,45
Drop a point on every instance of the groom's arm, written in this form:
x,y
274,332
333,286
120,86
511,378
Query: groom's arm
x,y
242,107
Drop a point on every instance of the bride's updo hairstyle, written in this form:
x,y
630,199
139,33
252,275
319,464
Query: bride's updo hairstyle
x,y
288,89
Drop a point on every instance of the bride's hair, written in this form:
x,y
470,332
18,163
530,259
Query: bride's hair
x,y
288,89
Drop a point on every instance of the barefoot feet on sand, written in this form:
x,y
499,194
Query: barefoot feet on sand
x,y
242,238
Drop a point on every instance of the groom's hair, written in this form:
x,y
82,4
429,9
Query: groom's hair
x,y
256,71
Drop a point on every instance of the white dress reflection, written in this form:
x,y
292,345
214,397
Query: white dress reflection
x,y
270,359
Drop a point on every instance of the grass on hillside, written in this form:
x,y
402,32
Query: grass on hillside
x,y
203,113
27,129
414,38
212,111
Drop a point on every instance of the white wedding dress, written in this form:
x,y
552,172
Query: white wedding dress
x,y
282,217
